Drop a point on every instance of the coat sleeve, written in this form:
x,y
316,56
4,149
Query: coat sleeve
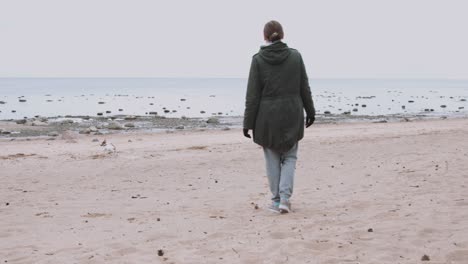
x,y
306,95
252,98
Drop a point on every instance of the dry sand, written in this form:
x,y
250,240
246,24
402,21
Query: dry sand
x,y
200,197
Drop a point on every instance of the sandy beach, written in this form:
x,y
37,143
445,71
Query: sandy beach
x,y
364,193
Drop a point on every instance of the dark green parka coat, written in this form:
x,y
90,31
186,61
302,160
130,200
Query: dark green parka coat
x,y
277,92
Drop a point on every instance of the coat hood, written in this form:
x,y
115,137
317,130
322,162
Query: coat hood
x,y
275,53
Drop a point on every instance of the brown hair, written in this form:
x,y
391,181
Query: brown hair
x,y
273,31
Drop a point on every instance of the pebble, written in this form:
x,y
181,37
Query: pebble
x,y
108,112
212,120
120,109
425,258
53,134
85,131
22,100
443,106
2,102
99,114
114,126
131,117
21,121
355,110
38,123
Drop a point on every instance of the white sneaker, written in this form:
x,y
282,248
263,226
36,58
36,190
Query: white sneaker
x,y
274,207
284,206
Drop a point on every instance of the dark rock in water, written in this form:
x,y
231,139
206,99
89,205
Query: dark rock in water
x,y
220,113
2,102
202,112
179,127
174,111
363,105
212,120
410,101
99,114
101,102
443,106
327,112
212,95
108,112
427,110
3,132
151,104
347,113
182,99
432,110
13,111
22,100
356,104
188,107
49,101
403,107
167,111
355,110
120,109
153,113
461,107
461,100
164,108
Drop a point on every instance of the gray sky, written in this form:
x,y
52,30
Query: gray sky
x,y
202,38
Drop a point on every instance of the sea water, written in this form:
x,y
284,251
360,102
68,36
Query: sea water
x,y
204,97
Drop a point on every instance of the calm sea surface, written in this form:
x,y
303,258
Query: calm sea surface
x,y
205,97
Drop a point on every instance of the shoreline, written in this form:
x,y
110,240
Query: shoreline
x,y
98,125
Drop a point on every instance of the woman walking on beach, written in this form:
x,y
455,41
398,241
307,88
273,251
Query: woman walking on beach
x,y
277,92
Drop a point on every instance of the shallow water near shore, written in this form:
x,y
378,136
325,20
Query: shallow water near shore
x,y
177,97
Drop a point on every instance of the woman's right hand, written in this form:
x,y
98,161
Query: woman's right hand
x,y
309,121
246,133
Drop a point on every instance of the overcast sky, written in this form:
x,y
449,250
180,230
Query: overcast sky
x,y
202,38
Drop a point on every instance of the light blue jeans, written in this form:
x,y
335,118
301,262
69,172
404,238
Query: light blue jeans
x,y
280,168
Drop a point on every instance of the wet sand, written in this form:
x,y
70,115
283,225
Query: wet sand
x,y
364,193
